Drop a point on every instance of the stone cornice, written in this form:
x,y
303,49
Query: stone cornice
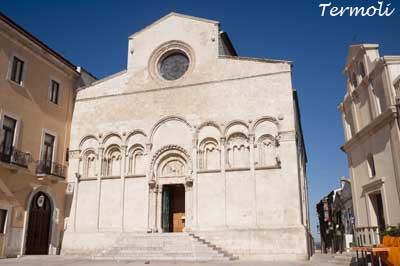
x,y
380,121
262,60
182,86
374,184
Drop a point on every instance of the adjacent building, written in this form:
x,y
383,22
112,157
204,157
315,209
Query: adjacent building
x,y
192,138
370,114
336,219
37,94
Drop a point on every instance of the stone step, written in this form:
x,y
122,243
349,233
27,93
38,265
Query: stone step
x,y
182,249
169,246
164,258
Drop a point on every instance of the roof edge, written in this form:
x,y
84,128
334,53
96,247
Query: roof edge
x,y
38,42
262,60
170,15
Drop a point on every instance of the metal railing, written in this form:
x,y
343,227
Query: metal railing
x,y
47,167
16,157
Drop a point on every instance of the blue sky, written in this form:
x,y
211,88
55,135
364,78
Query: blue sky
x,y
93,34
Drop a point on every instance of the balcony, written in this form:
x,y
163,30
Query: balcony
x,y
47,167
16,157
368,236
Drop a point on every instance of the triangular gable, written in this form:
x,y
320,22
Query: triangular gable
x,y
173,14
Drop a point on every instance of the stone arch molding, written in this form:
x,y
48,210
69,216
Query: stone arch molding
x,y
165,120
209,123
109,136
170,153
263,119
234,123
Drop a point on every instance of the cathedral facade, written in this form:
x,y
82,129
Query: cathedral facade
x,y
189,138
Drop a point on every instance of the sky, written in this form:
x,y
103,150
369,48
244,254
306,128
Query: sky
x,y
94,35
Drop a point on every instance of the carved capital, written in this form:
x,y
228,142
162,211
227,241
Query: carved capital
x,y
153,185
194,143
251,138
188,183
149,146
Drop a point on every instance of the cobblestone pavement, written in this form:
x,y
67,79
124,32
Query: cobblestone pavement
x,y
316,260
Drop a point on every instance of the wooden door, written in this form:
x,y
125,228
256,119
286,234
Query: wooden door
x,y
37,239
178,221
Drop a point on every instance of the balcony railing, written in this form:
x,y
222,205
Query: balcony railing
x,y
16,157
368,236
47,167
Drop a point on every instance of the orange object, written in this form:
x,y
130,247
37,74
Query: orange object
x,y
393,243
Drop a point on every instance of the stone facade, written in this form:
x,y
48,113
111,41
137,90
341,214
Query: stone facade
x,y
371,125
189,111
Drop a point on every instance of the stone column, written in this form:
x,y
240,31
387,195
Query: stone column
x,y
123,173
151,226
152,192
99,175
222,147
159,208
194,196
75,199
253,175
188,203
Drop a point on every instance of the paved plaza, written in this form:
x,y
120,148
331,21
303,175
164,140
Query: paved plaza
x,y
317,260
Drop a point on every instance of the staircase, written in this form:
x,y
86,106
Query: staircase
x,y
166,246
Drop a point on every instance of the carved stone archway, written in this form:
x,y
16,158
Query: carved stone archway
x,y
170,165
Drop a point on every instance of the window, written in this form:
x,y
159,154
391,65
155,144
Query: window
x,y
173,66
47,152
7,142
54,91
3,218
371,165
89,164
17,70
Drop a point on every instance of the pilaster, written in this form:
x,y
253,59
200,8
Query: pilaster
x,y
253,175
222,148
99,175
123,173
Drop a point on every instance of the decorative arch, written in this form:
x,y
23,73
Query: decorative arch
x,y
136,160
174,157
109,135
266,151
209,123
87,138
263,119
163,121
112,161
89,157
238,150
234,123
209,154
133,133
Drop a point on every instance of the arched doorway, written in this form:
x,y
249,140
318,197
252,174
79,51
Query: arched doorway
x,y
171,190
37,239
173,208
